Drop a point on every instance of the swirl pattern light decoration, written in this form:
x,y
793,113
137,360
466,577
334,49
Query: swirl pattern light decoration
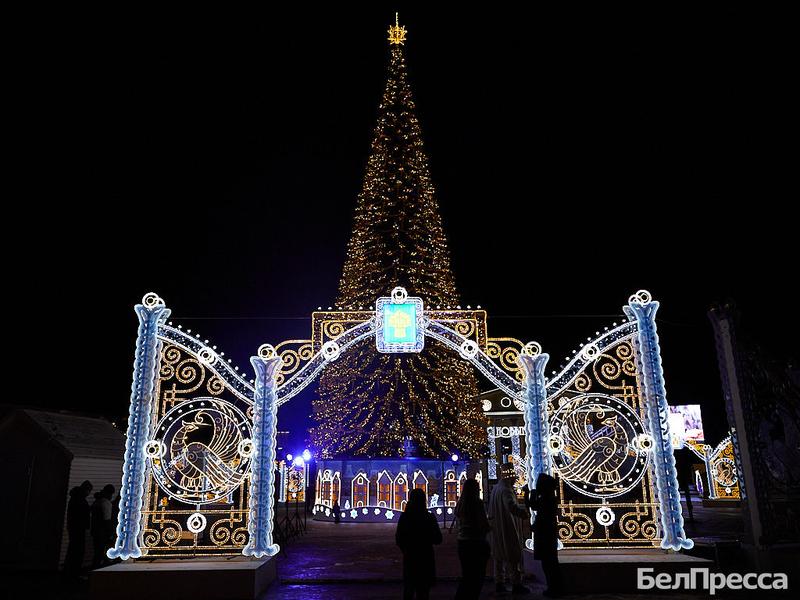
x,y
643,308
262,474
605,362
722,471
150,312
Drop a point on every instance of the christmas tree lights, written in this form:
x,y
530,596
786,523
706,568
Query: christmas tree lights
x,y
369,402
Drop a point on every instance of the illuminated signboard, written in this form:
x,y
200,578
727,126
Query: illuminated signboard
x,y
400,327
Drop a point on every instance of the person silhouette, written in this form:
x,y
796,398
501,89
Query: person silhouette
x,y
102,525
505,518
417,532
544,500
77,524
473,549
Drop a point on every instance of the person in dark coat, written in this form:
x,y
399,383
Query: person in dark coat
x,y
544,500
417,532
77,524
102,525
473,549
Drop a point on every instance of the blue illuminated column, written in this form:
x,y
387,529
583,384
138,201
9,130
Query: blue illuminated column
x,y
150,312
535,414
644,309
262,474
712,490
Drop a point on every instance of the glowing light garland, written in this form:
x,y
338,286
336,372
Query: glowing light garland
x,y
492,466
644,310
255,445
370,401
535,415
150,312
262,474
397,190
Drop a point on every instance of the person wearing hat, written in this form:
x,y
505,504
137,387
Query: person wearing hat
x,y
505,515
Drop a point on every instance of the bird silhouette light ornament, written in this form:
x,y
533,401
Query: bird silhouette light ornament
x,y
400,323
201,450
200,436
596,445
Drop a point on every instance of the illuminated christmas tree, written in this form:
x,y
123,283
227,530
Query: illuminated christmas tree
x,y
368,401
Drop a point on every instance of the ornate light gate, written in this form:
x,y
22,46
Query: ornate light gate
x,y
199,475
601,446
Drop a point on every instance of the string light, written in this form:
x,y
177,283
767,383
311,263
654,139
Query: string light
x,y
369,402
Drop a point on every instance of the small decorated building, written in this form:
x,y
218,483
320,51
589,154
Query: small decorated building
x,y
376,490
46,454
505,433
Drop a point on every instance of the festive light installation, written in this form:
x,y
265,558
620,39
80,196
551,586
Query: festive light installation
x,y
262,475
644,308
722,472
534,363
370,400
570,408
151,312
599,446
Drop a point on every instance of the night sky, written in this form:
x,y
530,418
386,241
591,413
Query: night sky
x,y
578,156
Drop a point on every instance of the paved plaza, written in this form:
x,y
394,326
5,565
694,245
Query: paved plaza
x,y
360,560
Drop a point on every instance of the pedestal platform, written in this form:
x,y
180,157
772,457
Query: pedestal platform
x,y
600,571
208,578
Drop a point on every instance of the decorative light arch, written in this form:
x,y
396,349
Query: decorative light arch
x,y
515,369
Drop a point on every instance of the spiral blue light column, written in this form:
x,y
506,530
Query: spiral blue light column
x,y
644,309
262,474
535,416
148,348
536,422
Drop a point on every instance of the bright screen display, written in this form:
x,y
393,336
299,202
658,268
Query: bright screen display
x,y
686,422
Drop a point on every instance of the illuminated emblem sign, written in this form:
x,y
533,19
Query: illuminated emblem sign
x,y
400,327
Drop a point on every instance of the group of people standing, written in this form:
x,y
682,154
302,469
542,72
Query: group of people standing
x,y
418,531
98,518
